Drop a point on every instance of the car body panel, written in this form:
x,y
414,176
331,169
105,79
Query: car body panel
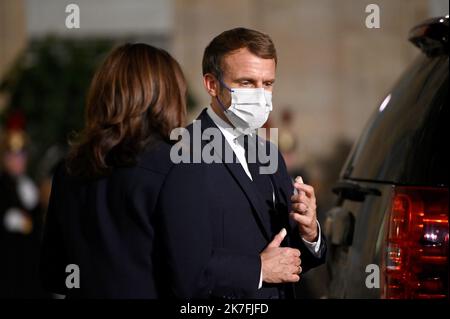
x,y
405,143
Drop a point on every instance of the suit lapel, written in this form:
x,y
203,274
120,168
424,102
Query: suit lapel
x,y
242,179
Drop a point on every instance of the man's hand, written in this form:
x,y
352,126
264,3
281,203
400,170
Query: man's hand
x,y
280,264
304,210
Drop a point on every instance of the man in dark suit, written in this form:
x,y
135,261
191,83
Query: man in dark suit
x,y
230,228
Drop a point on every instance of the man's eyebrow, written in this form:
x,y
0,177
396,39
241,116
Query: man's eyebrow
x,y
252,80
245,79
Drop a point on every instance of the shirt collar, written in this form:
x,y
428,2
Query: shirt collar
x,y
230,133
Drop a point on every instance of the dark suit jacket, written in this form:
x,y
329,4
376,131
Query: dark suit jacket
x,y
214,227
106,227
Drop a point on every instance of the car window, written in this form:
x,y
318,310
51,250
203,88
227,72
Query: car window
x,y
406,139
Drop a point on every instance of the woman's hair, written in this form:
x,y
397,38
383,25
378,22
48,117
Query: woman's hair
x,y
138,93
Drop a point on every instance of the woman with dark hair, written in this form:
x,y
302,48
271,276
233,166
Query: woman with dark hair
x,y
99,239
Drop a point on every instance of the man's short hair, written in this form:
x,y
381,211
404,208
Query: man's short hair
x,y
258,43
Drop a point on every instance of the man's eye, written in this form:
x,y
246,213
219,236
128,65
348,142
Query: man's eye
x,y
268,84
245,83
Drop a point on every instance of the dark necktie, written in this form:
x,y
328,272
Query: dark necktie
x,y
261,181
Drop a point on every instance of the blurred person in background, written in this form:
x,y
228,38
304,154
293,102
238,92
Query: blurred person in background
x,y
101,212
20,218
288,145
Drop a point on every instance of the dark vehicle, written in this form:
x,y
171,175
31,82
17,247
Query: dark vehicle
x,y
388,233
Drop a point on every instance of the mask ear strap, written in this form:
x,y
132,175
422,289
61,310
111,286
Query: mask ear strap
x,y
217,97
221,104
225,86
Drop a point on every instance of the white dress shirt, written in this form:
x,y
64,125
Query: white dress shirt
x,y
236,141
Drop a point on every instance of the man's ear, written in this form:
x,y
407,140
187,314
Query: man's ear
x,y
211,85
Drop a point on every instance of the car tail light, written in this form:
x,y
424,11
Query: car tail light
x,y
417,251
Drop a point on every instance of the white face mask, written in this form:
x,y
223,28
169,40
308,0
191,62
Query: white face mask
x,y
249,109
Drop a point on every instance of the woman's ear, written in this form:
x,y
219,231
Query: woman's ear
x,y
211,85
